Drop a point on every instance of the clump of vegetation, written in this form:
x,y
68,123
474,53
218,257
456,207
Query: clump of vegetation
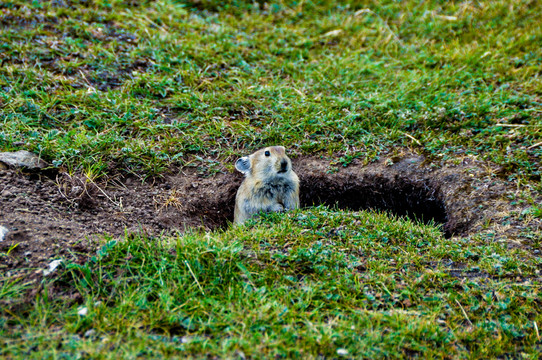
x,y
312,283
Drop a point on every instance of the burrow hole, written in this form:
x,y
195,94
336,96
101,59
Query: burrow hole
x,y
419,200
416,199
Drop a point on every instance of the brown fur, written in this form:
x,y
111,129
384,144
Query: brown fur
x,y
270,184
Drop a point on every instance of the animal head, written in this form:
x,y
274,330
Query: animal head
x,y
269,161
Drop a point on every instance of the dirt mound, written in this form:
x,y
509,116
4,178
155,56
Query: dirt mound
x,y
60,217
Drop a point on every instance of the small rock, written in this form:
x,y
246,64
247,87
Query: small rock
x,y
52,267
90,333
82,311
3,232
342,352
186,339
22,158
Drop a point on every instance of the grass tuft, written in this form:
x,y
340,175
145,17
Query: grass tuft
x,y
304,284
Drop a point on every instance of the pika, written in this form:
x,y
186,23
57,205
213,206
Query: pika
x,y
270,185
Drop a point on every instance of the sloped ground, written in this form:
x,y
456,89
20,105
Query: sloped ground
x,y
50,219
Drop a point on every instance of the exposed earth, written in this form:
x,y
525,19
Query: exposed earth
x,y
53,215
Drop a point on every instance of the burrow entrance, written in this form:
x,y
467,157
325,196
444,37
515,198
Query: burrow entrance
x,y
48,218
417,200
402,190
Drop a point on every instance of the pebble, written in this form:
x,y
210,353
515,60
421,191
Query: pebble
x,y
342,352
83,311
90,333
3,232
52,267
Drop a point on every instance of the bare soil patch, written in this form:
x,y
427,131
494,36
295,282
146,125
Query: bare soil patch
x,y
62,217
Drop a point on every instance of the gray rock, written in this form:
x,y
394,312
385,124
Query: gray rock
x,y
22,158
90,333
3,232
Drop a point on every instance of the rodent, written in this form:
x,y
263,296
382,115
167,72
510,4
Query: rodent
x,y
270,184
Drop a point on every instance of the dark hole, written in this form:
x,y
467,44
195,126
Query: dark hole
x,y
417,199
401,196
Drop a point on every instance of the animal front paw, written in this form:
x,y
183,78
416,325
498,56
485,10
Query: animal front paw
x,y
277,208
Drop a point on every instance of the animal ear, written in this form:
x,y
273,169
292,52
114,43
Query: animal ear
x,y
243,164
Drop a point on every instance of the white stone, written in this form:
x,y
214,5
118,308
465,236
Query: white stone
x,y
52,267
3,232
342,352
82,311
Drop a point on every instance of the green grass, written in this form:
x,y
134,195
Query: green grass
x,y
124,86
305,284
142,88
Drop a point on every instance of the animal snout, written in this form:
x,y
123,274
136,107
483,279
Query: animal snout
x,y
283,166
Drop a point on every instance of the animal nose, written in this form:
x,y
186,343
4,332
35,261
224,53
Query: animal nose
x,y
283,165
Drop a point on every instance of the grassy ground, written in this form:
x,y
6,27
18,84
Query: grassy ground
x,y
101,87
102,84
316,283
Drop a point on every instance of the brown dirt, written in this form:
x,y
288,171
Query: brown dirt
x,y
62,218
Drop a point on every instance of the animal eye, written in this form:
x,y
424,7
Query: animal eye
x,y
267,153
